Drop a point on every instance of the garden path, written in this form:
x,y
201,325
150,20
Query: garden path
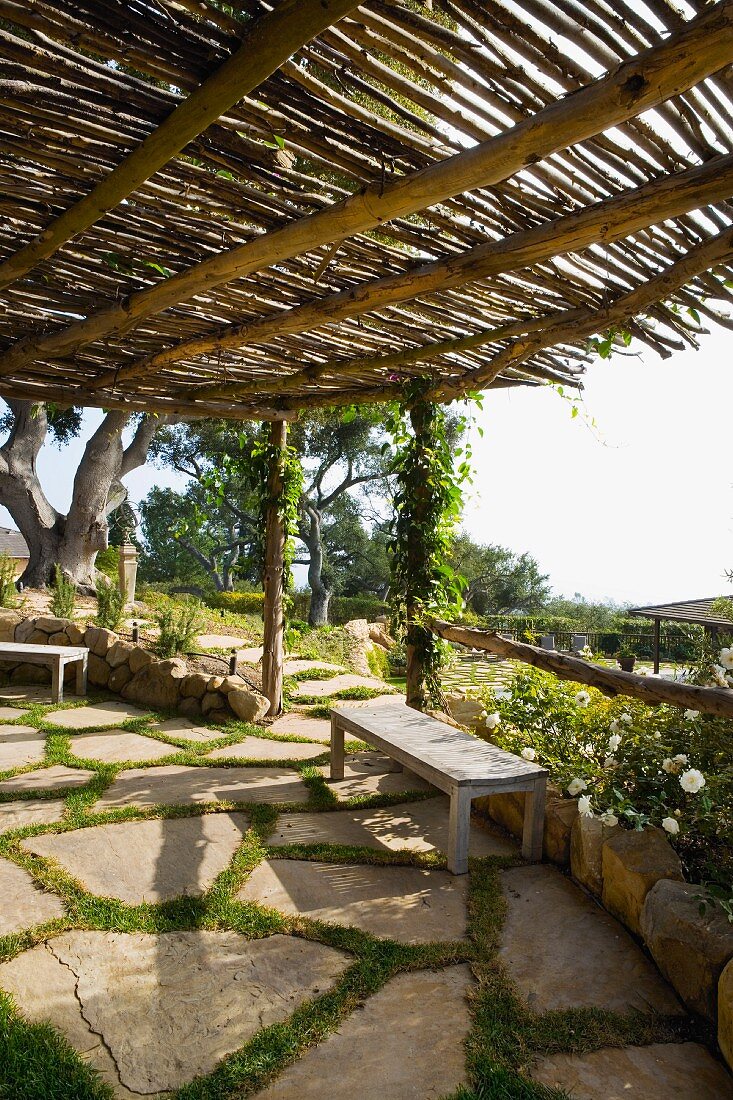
x,y
229,894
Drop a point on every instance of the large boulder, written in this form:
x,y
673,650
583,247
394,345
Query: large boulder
x,y
634,862
119,677
98,671
508,811
119,654
24,630
249,706
358,629
378,634
60,638
76,634
173,666
194,686
725,1013
587,838
100,640
50,624
139,658
152,688
211,701
190,707
689,947
37,637
9,620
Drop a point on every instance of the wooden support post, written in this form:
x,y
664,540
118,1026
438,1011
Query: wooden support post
x,y
655,652
273,583
416,557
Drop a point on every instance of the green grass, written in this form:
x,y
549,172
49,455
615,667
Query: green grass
x,y
505,1038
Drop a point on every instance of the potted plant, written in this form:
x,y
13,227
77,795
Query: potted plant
x,y
626,658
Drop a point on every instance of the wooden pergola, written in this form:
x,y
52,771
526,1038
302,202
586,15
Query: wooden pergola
x,y
696,612
245,211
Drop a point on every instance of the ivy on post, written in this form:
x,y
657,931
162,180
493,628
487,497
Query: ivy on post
x,y
427,504
277,477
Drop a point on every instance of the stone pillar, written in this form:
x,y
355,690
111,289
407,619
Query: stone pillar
x,y
128,570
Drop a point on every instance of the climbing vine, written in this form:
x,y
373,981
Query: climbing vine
x,y
430,470
290,471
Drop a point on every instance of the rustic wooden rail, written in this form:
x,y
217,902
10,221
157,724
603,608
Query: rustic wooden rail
x,y
652,690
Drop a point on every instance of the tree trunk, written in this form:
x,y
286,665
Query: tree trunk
x,y
311,534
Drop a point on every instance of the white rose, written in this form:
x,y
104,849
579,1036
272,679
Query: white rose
x,y
613,742
528,754
575,786
609,819
671,825
691,715
626,717
614,727
657,737
692,781
726,658
680,758
609,763
492,720
584,807
719,677
668,766
582,698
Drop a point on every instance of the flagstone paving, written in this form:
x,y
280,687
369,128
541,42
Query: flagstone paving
x,y
54,778
138,861
23,902
266,748
367,773
30,811
183,730
151,1012
564,951
294,665
669,1071
406,1043
176,784
117,746
408,904
109,713
316,729
324,688
9,714
19,746
414,827
25,693
219,641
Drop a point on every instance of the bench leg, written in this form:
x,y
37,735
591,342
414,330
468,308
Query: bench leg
x,y
459,827
81,675
337,749
57,681
534,821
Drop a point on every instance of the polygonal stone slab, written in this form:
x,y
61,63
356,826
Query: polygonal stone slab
x,y
95,714
265,748
51,779
401,903
295,665
139,861
564,951
324,688
146,996
179,784
317,729
183,730
410,1036
117,746
20,745
30,811
219,641
24,903
9,714
416,827
251,655
685,1071
369,773
27,693
378,700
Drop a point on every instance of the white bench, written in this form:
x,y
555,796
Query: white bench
x,y
55,657
463,766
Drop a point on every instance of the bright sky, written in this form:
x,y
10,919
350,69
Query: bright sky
x,y
644,513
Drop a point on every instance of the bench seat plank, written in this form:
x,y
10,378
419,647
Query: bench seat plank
x,y
452,760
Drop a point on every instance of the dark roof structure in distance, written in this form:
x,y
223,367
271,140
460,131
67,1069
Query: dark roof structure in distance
x,y
687,611
12,543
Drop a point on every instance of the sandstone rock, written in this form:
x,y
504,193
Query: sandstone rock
x,y
171,784
232,683
215,683
57,777
60,638
586,851
173,666
220,716
190,707
148,686
119,677
24,630
24,902
378,634
466,712
248,705
194,685
37,637
100,640
139,659
30,811
51,625
691,949
98,671
119,654
21,745
75,634
9,620
211,701
359,631
633,862
30,674
95,715
506,810
560,813
725,1013
119,747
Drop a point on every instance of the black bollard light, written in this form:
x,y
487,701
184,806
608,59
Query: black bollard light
x,y
233,663
135,633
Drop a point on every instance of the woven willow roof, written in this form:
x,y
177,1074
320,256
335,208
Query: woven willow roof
x,y
582,157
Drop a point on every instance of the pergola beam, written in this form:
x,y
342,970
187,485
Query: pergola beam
x,y
701,48
265,47
611,220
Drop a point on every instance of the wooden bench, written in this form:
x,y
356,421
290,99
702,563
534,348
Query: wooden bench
x,y
55,657
463,766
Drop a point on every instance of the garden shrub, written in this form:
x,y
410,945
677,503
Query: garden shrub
x,y
378,661
108,562
63,595
238,602
342,609
330,644
179,625
8,591
628,761
110,605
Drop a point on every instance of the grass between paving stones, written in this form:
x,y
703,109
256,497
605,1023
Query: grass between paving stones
x,y
36,1063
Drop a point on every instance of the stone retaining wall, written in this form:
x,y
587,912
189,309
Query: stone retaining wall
x,y
637,876
133,672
